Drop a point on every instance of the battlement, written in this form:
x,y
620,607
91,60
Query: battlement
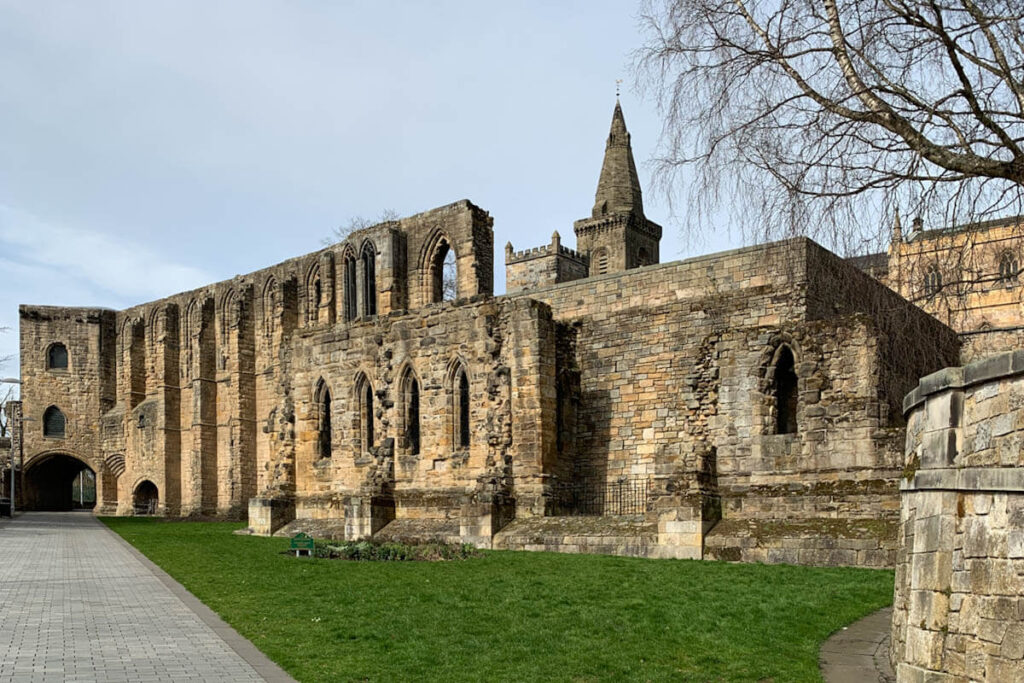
x,y
541,266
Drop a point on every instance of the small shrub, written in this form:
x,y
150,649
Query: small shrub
x,y
376,551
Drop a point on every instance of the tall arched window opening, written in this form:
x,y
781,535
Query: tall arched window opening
x,y
57,357
364,414
1009,267
314,295
54,424
443,273
784,389
324,432
369,257
460,408
411,413
350,287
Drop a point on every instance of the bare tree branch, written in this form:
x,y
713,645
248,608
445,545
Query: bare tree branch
x,y
821,118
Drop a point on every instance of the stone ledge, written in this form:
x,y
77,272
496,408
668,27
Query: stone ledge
x,y
1009,479
988,369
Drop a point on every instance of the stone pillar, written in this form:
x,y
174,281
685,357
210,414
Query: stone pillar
x,y
957,609
365,515
484,516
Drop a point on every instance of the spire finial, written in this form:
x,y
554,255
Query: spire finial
x,y
618,84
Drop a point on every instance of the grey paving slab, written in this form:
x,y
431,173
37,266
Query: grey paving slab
x,y
77,603
859,652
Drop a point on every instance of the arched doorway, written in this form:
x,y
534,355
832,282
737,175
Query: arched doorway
x,y
59,482
145,498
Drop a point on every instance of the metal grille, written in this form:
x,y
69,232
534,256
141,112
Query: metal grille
x,y
627,497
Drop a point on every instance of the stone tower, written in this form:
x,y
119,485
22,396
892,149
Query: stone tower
x,y
618,236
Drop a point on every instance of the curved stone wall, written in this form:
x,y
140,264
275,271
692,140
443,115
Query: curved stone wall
x,y
958,612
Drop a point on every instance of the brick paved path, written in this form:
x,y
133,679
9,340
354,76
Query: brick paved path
x,y
77,603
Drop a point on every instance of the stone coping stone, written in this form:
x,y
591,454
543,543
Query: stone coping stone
x,y
1010,479
420,531
582,526
818,530
324,529
989,369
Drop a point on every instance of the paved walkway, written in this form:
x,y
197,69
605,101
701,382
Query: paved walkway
x,y
79,604
859,653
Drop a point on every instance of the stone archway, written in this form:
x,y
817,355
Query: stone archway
x,y
48,483
145,498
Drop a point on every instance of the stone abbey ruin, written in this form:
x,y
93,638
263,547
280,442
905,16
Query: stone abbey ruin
x,y
746,405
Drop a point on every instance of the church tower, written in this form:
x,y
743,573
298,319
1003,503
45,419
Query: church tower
x,y
618,236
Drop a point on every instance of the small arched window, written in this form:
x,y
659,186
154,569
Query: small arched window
x,y
350,287
460,408
57,357
784,390
1009,267
643,258
369,258
324,432
54,424
601,261
932,280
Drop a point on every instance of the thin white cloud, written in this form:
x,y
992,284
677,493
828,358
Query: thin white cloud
x,y
130,272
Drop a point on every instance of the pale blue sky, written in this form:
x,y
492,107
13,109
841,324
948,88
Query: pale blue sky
x,y
151,147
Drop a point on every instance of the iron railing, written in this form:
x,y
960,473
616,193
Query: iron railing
x,y
624,497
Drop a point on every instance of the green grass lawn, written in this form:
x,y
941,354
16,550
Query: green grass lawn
x,y
513,616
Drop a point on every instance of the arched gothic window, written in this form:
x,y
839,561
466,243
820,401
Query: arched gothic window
x,y
369,257
324,431
600,261
784,390
57,357
270,306
54,424
349,311
1009,267
364,414
932,280
411,412
460,408
314,295
443,273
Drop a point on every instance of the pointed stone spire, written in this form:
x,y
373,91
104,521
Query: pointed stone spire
x,y
618,190
897,228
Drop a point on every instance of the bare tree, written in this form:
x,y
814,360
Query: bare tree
x,y
825,118
341,233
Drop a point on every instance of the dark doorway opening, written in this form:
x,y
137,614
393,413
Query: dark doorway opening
x,y
59,482
146,498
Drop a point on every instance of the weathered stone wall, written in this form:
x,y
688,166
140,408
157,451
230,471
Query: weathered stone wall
x,y
190,392
674,370
959,600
